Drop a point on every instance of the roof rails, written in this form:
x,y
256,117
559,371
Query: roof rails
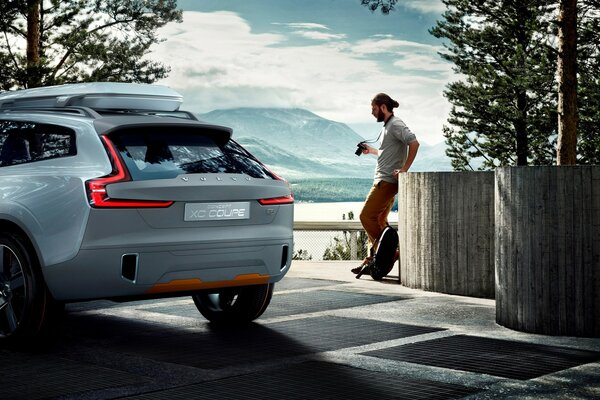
x,y
95,95
181,114
83,111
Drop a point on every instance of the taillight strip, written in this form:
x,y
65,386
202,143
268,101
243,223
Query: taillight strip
x,y
97,187
277,200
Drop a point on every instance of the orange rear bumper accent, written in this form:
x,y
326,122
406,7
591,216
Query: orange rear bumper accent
x,y
182,285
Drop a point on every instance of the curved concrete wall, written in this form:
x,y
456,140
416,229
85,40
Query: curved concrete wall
x,y
547,249
446,229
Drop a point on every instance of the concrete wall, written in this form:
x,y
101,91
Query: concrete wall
x,y
446,229
547,249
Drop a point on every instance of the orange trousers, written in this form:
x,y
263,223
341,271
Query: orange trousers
x,y
377,206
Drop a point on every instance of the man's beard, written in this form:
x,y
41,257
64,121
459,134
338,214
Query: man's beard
x,y
380,116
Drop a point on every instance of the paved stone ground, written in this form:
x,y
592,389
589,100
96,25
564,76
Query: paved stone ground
x,y
325,335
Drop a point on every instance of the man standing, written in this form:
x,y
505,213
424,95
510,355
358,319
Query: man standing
x,y
395,155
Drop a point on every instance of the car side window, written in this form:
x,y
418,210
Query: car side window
x,y
25,142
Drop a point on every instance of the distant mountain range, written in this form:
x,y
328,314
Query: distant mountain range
x,y
299,144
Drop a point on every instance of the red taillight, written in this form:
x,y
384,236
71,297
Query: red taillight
x,y
97,187
273,201
277,200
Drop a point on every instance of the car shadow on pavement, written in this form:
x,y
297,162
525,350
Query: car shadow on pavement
x,y
99,355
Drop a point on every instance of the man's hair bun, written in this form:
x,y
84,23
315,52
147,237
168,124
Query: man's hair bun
x,y
382,98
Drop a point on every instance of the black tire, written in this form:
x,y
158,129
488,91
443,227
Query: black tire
x,y
385,256
234,306
26,306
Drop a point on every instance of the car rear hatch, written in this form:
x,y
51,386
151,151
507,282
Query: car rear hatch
x,y
186,176
184,209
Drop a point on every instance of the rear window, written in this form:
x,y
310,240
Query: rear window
x,y
160,155
25,142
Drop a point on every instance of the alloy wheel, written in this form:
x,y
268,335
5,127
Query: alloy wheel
x,y
13,291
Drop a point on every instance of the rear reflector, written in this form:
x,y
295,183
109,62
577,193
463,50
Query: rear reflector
x,y
277,200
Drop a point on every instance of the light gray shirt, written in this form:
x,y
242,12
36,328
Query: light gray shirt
x,y
393,150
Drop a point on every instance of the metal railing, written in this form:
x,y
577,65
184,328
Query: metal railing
x,y
330,240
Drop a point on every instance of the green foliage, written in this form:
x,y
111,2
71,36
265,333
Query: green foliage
x,y
386,6
82,41
302,255
341,247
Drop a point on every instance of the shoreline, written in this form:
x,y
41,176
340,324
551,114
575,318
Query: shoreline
x,y
330,211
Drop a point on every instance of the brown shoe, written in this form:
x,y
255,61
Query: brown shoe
x,y
365,262
357,269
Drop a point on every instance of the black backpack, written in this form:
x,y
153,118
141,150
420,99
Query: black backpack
x,y
384,257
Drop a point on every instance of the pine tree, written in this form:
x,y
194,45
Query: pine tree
x,y
504,110
47,42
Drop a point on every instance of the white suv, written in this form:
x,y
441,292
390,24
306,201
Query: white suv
x,y
109,191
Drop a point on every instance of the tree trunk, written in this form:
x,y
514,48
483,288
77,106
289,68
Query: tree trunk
x,y
567,83
521,130
34,77
521,122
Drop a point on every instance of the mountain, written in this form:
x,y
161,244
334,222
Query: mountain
x,y
432,158
299,144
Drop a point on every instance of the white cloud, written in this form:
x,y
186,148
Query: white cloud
x,y
428,6
303,25
316,35
411,55
421,62
388,44
218,62
312,31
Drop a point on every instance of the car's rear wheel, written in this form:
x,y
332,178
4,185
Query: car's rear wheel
x,y
26,306
232,306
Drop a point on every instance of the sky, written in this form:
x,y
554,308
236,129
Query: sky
x,y
327,56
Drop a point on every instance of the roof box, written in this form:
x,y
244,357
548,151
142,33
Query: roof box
x,y
95,95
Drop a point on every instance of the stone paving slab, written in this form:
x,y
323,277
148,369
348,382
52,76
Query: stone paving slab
x,y
328,336
316,380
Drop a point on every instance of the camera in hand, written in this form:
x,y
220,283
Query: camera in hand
x,y
360,147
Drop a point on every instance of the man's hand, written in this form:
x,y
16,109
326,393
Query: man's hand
x,y
369,150
397,172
